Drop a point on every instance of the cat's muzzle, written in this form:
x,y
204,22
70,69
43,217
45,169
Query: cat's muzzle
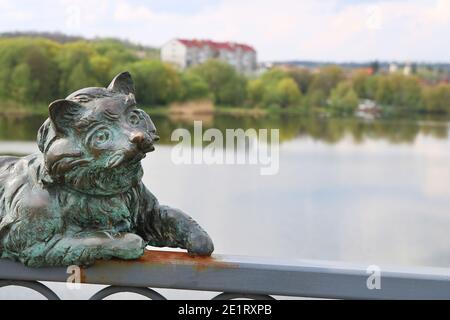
x,y
144,141
142,144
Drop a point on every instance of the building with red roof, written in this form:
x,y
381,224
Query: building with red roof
x,y
185,53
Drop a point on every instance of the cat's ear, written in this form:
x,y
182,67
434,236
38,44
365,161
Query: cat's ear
x,y
123,83
63,113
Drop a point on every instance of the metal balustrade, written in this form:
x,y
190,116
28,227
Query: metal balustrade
x,y
237,277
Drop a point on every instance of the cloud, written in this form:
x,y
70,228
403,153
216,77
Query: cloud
x,y
291,29
9,11
279,29
125,12
439,14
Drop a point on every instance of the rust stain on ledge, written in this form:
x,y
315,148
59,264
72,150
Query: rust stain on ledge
x,y
83,275
157,258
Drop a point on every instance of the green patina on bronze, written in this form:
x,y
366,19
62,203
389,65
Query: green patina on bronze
x,y
81,198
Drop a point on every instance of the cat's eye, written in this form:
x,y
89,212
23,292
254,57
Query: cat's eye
x,y
101,136
134,119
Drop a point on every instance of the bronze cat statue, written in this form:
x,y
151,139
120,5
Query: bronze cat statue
x,y
81,198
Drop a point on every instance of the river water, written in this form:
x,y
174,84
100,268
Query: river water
x,y
360,191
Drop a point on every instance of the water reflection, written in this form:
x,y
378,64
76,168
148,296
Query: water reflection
x,y
329,130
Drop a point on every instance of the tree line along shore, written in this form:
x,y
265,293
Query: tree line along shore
x,y
35,71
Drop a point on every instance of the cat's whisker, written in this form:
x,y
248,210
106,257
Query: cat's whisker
x,y
115,160
79,162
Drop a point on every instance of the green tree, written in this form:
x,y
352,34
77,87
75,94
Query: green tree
x,y
255,92
157,83
327,79
316,98
101,68
385,91
193,87
288,93
437,99
38,56
78,77
395,90
274,75
23,87
75,67
274,88
43,70
375,66
115,51
370,87
343,98
359,80
226,85
408,92
302,77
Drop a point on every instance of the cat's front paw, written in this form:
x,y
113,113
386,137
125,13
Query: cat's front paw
x,y
128,246
200,244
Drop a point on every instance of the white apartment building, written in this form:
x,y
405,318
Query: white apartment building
x,y
185,53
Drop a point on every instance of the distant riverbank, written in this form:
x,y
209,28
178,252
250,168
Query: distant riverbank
x,y
13,109
197,110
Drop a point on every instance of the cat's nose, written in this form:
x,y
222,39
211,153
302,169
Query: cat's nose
x,y
137,138
143,141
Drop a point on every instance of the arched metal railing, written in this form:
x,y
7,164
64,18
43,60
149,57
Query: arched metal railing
x,y
33,285
237,277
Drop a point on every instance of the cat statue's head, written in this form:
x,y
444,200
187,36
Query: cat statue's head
x,y
94,140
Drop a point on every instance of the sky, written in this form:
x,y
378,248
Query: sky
x,y
325,30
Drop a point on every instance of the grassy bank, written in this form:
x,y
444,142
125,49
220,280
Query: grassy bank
x,y
222,110
14,109
17,109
